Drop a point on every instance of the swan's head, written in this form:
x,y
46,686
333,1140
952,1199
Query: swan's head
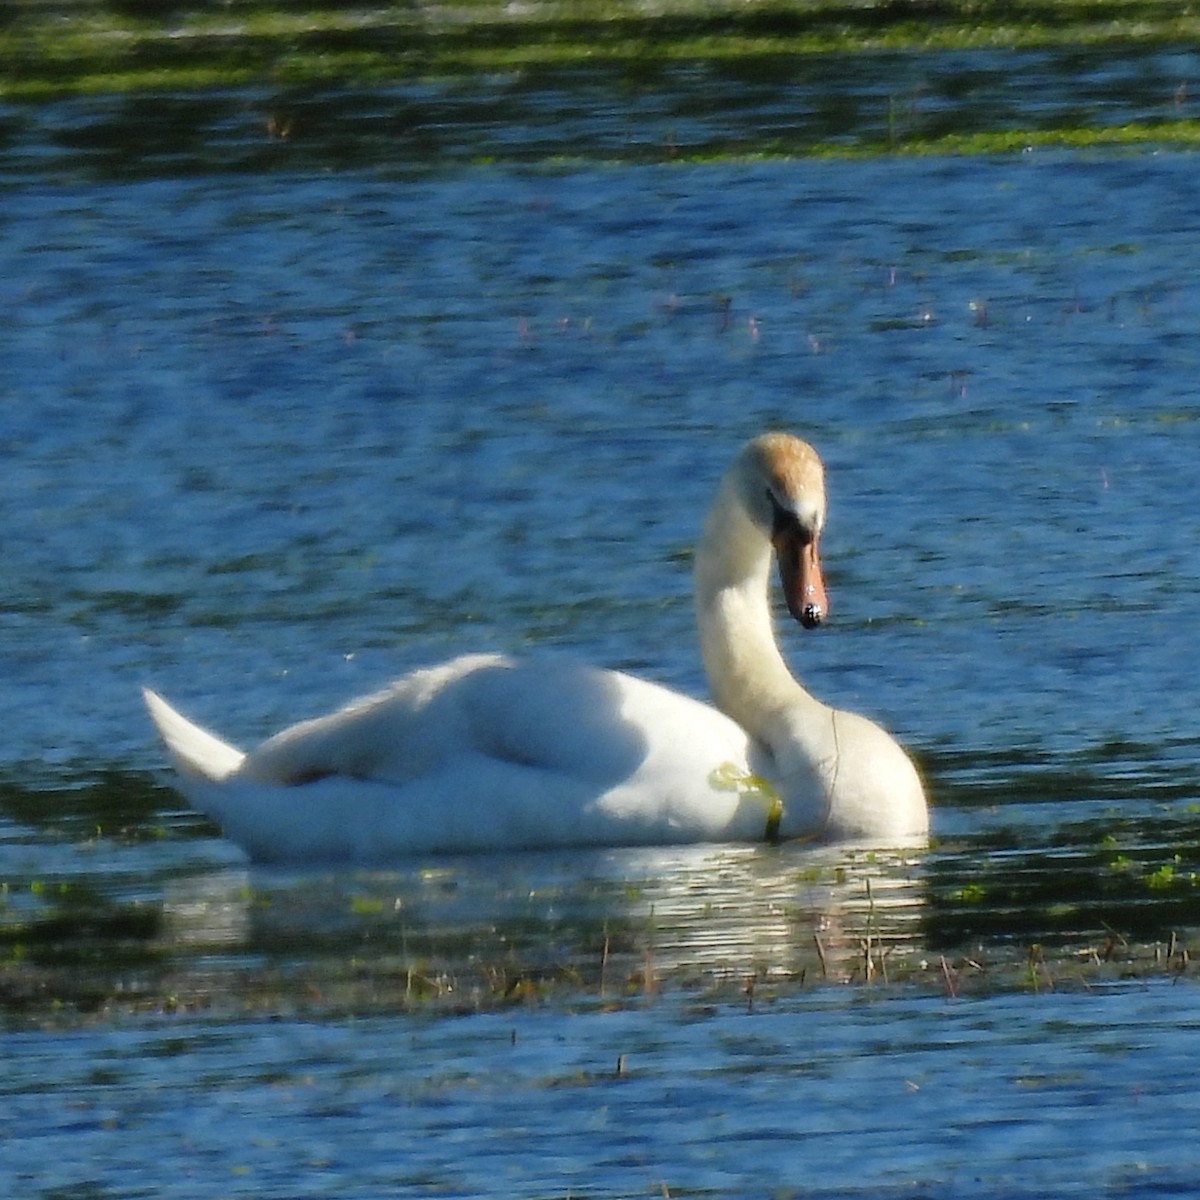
x,y
783,490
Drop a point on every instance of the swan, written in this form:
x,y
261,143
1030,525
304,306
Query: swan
x,y
489,752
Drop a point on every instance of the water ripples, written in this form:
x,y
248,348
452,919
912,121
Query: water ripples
x,y
271,439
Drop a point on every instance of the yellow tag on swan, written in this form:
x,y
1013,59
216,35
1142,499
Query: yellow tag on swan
x,y
728,778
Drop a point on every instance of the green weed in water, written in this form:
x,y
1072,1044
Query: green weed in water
x,y
1161,879
971,893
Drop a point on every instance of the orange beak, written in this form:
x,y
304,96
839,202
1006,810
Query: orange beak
x,y
800,575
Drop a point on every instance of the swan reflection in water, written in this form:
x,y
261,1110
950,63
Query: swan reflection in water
x,y
606,918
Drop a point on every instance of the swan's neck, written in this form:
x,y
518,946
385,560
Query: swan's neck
x,y
748,677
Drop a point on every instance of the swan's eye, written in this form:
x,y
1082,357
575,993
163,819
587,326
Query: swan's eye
x,y
783,520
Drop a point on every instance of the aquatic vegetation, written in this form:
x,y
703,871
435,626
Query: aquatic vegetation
x,y
1162,878
60,50
372,944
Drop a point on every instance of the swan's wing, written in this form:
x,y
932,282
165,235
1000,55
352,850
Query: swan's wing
x,y
193,750
474,755
597,727
398,735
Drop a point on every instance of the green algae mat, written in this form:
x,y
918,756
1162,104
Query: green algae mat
x,y
929,72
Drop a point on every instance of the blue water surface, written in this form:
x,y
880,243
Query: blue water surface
x,y
335,427
269,439
1004,1097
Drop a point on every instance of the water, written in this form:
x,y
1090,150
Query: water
x,y
271,437
623,108
816,1098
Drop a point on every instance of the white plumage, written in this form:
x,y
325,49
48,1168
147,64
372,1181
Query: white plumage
x,y
488,752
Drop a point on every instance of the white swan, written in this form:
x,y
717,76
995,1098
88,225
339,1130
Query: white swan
x,y
488,752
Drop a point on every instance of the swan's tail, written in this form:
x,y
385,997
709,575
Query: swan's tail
x,y
193,750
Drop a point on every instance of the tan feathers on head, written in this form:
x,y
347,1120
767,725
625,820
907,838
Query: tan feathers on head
x,y
795,471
